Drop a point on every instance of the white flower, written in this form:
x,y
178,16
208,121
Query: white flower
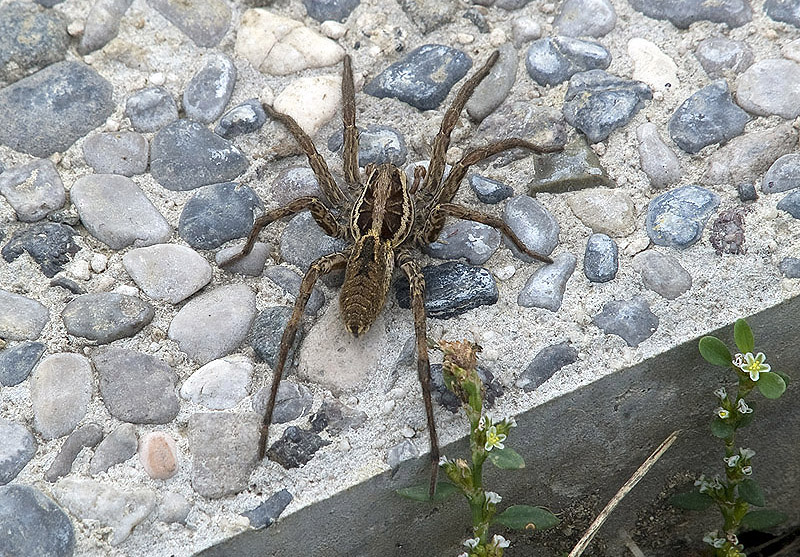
x,y
482,422
747,454
494,439
511,422
742,407
472,543
721,393
754,365
465,554
443,460
722,413
747,470
731,461
500,541
492,497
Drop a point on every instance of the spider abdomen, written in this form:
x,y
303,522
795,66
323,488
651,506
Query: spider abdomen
x,y
366,282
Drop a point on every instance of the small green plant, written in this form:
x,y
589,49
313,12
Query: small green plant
x,y
487,441
735,493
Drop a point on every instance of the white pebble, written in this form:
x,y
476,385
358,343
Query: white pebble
x,y
637,245
75,28
343,445
80,269
465,38
497,37
505,272
112,125
525,29
333,29
99,262
397,393
651,65
267,95
387,407
127,290
157,78
408,431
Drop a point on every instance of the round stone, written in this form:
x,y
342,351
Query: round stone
x,y
218,213
601,258
604,210
662,273
30,39
719,55
534,225
61,388
658,161
17,448
158,455
488,190
770,86
106,316
783,175
244,118
677,218
151,109
102,24
474,241
21,318
585,18
553,60
220,384
17,361
122,152
168,272
210,89
33,189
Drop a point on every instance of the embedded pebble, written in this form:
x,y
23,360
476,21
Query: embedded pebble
x,y
791,204
296,447
323,92
451,289
214,323
525,29
477,19
770,87
335,417
290,281
474,241
630,319
210,89
291,402
574,168
117,212
174,508
17,448
428,15
333,29
790,267
136,387
376,145
98,263
17,361
53,108
791,50
106,316
545,364
651,65
265,335
33,189
218,213
117,447
534,225
423,78
205,22
87,435
676,218
597,102
168,272
545,288
662,273
251,264
545,127
783,10
330,10
727,232
295,182
553,60
279,45
585,18
601,258
708,116
32,524
493,90
268,511
185,155
122,152
746,191
303,242
21,318
604,210
658,161
241,119
49,244
30,39
224,449
158,455
783,175
220,384
488,190
719,55
404,450
102,24
151,109
733,13
61,388
447,399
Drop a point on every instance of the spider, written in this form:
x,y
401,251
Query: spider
x,y
385,220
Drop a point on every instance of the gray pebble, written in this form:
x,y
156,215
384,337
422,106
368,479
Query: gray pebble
x,y
733,13
17,448
545,288
106,316
574,168
241,119
174,508
293,183
658,161
746,191
210,89
601,259
473,241
292,401
676,218
477,19
220,384
719,55
168,272
218,213
553,60
185,155
204,22
117,447
423,78
224,450
30,39
534,225
545,364
32,524
33,189
335,417
214,323
289,281
404,450
268,512
783,10
494,89
252,264
16,362
376,145
630,319
727,232
49,244
21,318
53,108
488,190
790,267
427,15
87,435
123,152
330,10
136,387
783,175
117,212
102,24
585,18
545,127
303,242
791,204
604,210
48,3
525,29
266,333
68,284
597,102
61,388
296,447
770,87
511,4
662,273
151,109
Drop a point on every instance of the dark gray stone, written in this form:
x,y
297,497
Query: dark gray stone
x,y
601,259
218,213
33,189
16,362
787,11
471,240
585,18
330,10
251,264
446,397
203,21
488,190
727,232
17,448
335,417
210,89
49,244
574,168
32,524
493,90
783,175
477,19
662,274
268,512
545,288
106,316
118,446
733,13
102,24
30,39
677,218
790,267
123,152
709,116
68,284
719,55
151,109
791,204
376,145
303,242
291,402
545,364
295,182
290,281
296,447
53,108
597,102
21,318
241,119
553,60
630,319
747,191
534,225
185,155
88,435
265,335
423,78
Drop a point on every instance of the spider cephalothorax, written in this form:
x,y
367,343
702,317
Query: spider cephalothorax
x,y
384,219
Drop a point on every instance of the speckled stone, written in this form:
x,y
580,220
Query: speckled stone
x,y
790,267
241,119
168,272
33,189
662,273
553,60
545,127
770,87
106,316
268,511
585,18
210,89
87,435
32,524
117,447
158,455
203,21
30,39
720,55
604,210
677,218
488,190
630,319
601,258
376,145
265,336
61,388
17,448
545,288
534,225
791,204
733,13
290,281
545,364
151,109
17,361
102,24
122,152
49,244
494,89
728,233
174,508
658,161
330,10
220,384
292,401
786,11
21,318
473,241
574,168
783,175
296,447
218,213
746,191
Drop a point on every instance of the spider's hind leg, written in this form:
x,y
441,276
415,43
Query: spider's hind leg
x,y
350,134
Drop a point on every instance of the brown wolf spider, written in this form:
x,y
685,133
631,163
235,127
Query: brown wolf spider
x,y
384,220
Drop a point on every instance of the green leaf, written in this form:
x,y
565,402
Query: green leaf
x,y
691,501
714,351
519,516
721,429
751,492
506,458
743,336
785,377
421,492
763,519
771,384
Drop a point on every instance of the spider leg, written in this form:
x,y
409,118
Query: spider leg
x,y
350,149
321,266
416,284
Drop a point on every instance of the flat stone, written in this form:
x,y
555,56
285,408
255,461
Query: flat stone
x,y
290,281
30,39
33,189
32,524
106,316
545,288
404,450
322,92
545,364
210,89
554,60
16,362
604,210
770,87
677,218
265,336
651,65
117,212
49,244
53,108
585,18
303,242
733,13
790,267
330,10
662,273
205,22
269,510
727,232
136,387
220,384
473,241
151,109
534,225
17,448
447,399
658,161
493,90
630,319
214,323
61,388
574,168
241,119
791,204
601,258
158,455
295,182
720,55
224,450
252,264
218,213
117,447
296,447
292,401
488,190
376,145
783,175
543,126
185,155
87,435
168,272
783,10
102,24
335,417
21,318
122,152
423,78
